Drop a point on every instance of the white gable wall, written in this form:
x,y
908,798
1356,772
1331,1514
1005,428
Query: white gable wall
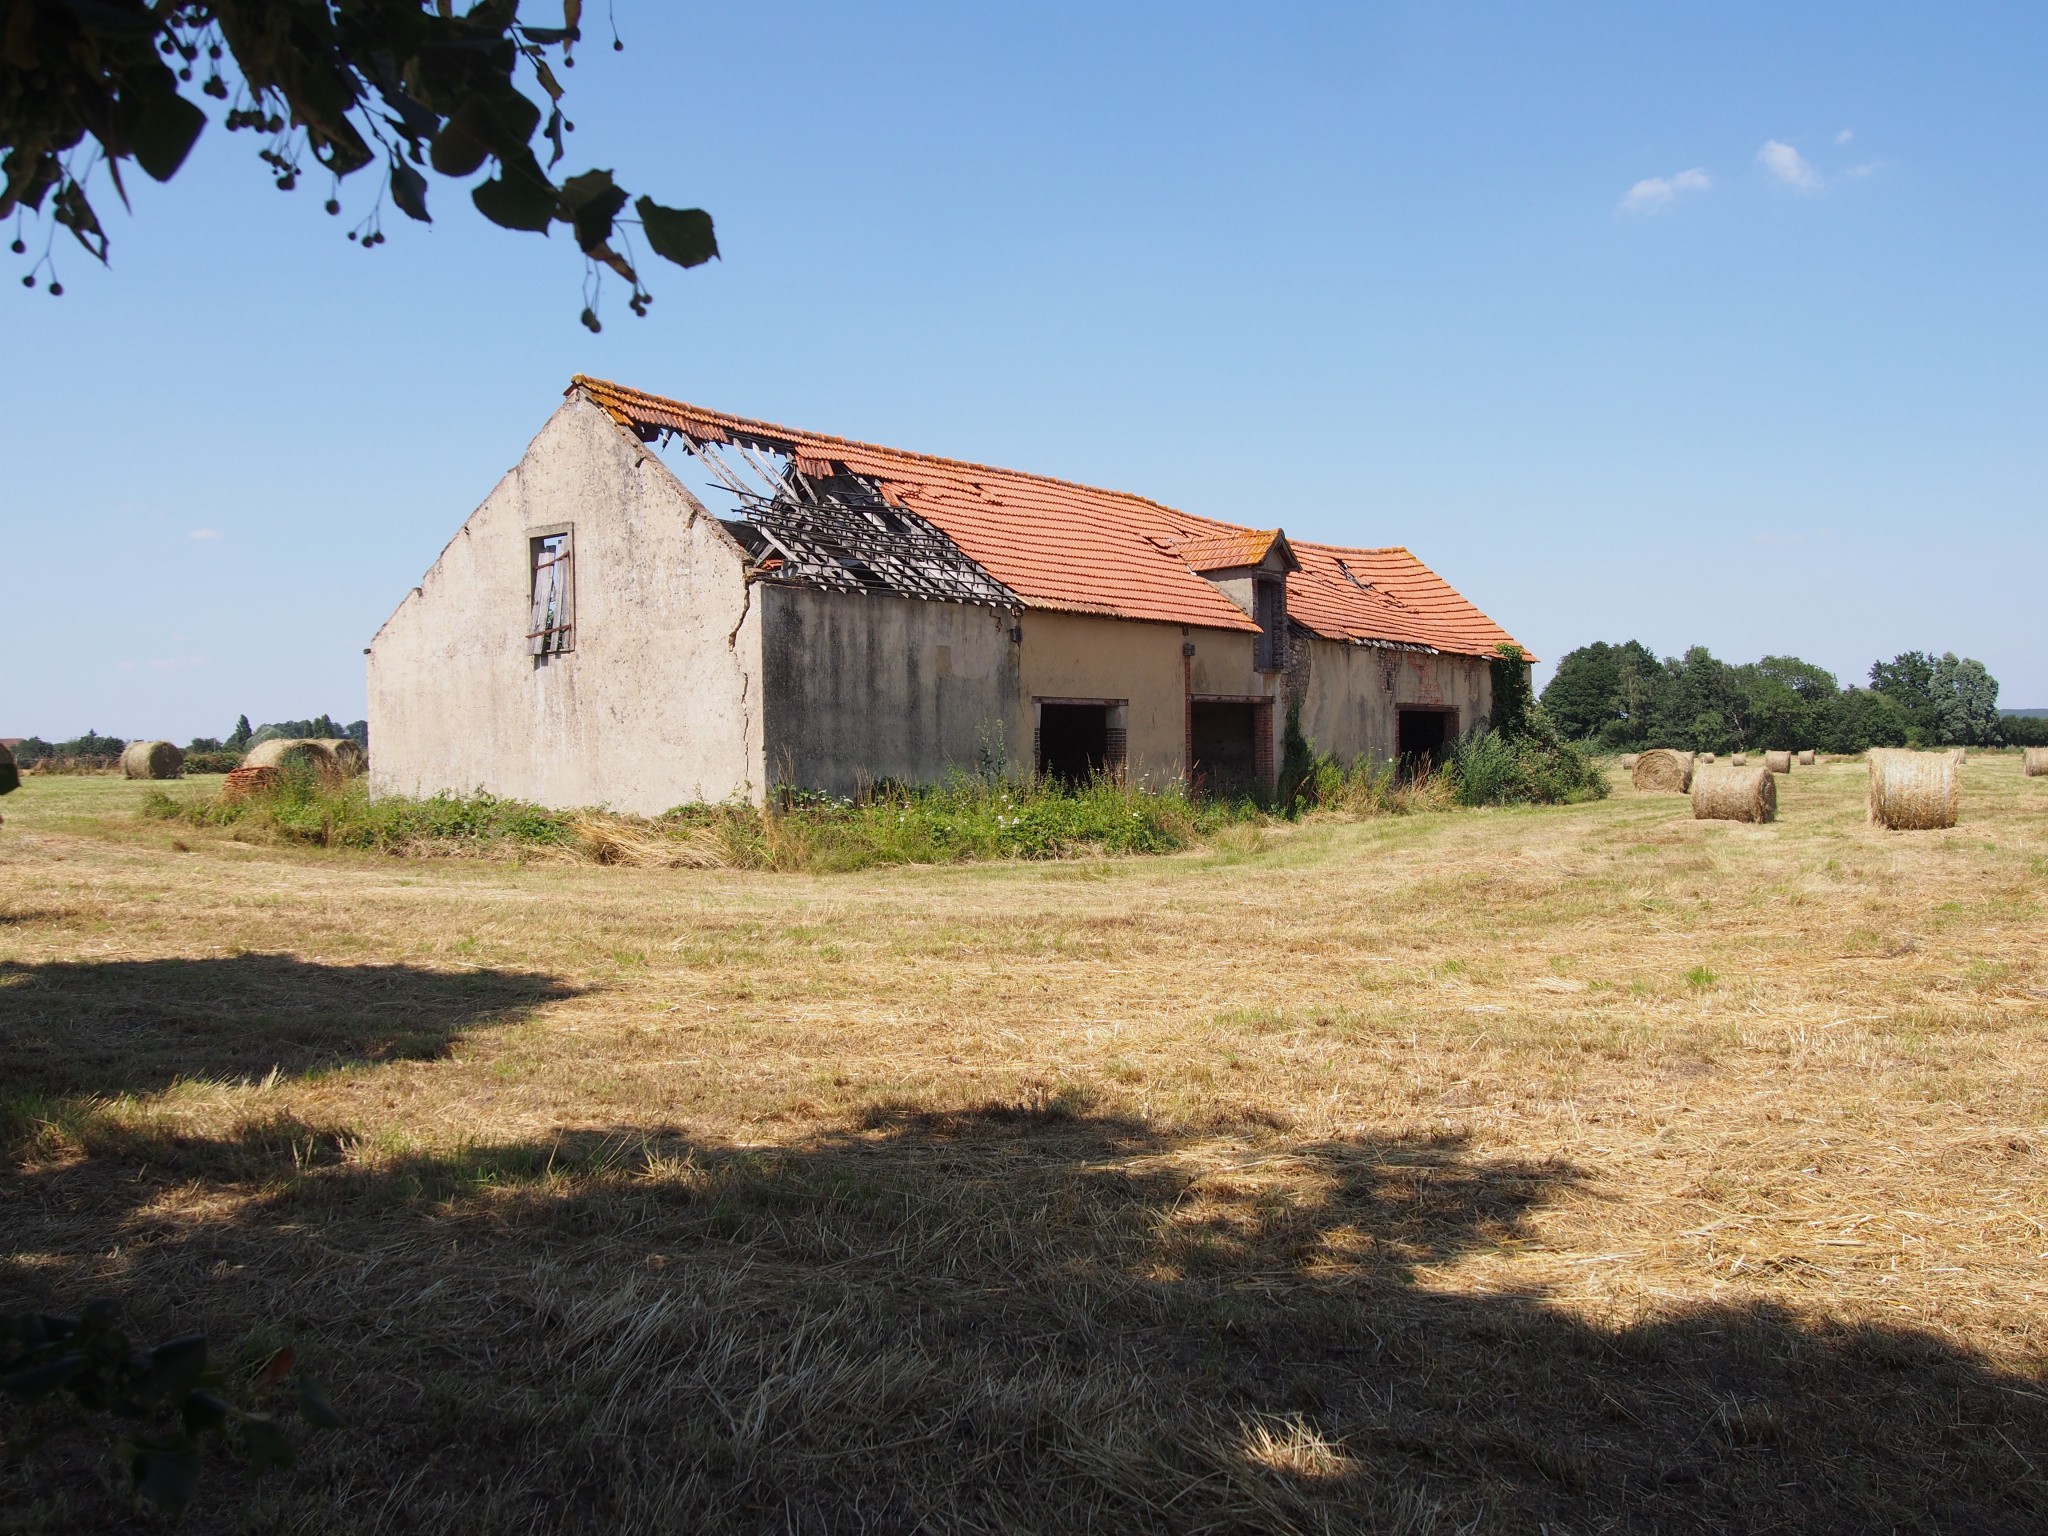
x,y
657,705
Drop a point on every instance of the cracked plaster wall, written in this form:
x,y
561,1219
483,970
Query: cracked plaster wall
x,y
657,705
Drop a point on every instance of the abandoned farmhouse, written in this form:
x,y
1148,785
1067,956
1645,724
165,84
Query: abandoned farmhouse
x,y
596,634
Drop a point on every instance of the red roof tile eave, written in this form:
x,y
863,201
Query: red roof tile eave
x,y
1064,547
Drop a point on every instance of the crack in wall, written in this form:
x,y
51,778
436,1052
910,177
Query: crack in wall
x,y
732,644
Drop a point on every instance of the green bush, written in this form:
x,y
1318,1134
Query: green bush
x,y
215,761
162,1408
1535,767
970,818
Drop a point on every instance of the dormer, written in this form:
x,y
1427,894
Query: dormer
x,y
1250,567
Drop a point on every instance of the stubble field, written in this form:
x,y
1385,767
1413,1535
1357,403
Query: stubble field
x,y
1570,1170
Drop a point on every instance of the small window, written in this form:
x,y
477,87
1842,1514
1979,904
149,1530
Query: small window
x,y
551,621
1270,601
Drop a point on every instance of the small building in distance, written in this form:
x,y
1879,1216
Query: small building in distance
x,y
596,634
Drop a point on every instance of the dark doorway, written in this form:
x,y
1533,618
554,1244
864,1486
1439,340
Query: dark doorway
x,y
1073,742
1224,742
1424,733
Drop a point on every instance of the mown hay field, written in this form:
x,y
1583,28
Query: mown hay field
x,y
1579,1169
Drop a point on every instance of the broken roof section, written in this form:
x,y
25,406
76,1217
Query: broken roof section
x,y
1052,544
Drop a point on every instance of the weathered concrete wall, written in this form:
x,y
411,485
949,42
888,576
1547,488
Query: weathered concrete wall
x,y
1076,656
657,705
862,687
1353,692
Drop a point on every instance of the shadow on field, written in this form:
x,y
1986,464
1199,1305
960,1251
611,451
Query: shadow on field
x,y
132,1026
1017,1317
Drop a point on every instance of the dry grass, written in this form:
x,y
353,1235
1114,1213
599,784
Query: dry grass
x,y
1587,1169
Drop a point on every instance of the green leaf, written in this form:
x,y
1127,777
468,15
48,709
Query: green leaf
x,y
159,125
74,212
572,16
267,1445
514,201
167,1475
683,235
314,1407
409,190
42,1380
174,1369
456,151
204,1413
592,201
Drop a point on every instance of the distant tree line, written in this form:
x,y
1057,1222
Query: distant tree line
x,y
93,747
1621,697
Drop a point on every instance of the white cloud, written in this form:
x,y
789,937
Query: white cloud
x,y
1789,166
1845,135
204,533
1654,193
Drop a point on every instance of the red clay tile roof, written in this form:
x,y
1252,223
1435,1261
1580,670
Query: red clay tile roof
x,y
1226,551
1078,549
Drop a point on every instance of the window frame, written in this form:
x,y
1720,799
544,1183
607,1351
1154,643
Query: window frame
x,y
558,639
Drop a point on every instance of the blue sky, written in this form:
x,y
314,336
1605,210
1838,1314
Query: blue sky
x,y
1716,324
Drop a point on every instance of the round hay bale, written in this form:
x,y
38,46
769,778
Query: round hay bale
x,y
1806,758
1628,762
10,773
248,783
1740,759
1663,770
1913,791
152,760
1778,762
2034,764
1959,755
349,760
1734,794
1706,757
284,750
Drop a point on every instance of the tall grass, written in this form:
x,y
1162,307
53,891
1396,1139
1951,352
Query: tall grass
x,y
308,809
961,820
1367,788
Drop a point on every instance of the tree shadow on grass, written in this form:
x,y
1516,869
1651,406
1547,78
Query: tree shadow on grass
x,y
1014,1317
134,1026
